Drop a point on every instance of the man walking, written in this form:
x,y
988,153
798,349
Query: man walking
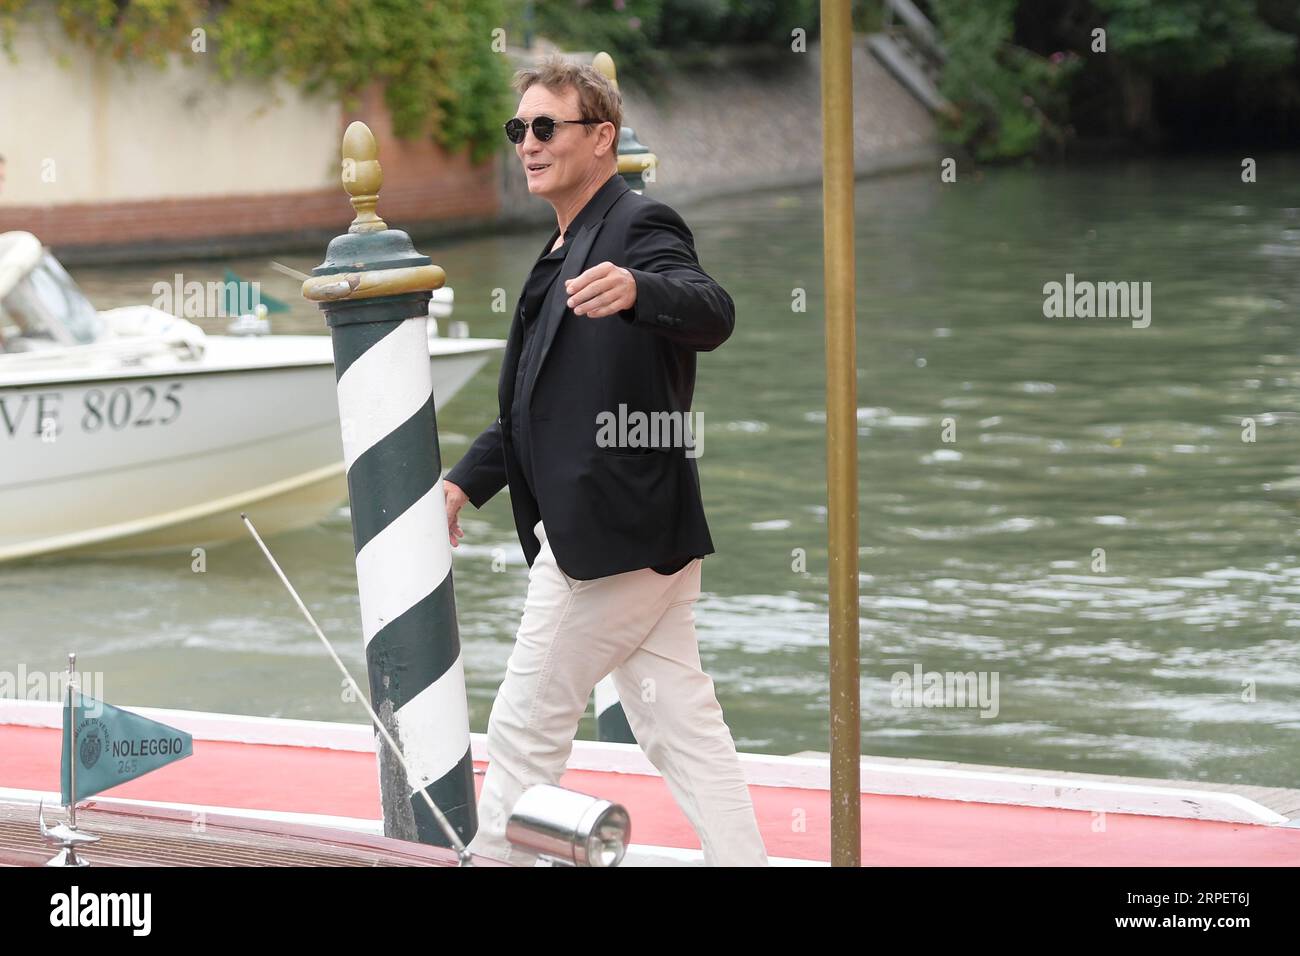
x,y
609,320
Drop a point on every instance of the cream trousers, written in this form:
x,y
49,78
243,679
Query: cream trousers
x,y
639,625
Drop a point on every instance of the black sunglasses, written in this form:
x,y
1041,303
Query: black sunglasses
x,y
543,127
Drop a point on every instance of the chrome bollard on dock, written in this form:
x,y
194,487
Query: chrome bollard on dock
x,y
374,289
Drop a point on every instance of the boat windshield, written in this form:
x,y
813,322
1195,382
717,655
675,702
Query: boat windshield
x,y
45,307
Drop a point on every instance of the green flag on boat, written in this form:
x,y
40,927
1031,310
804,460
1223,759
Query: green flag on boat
x,y
243,297
114,746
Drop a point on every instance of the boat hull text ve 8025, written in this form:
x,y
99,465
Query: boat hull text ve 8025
x,y
145,433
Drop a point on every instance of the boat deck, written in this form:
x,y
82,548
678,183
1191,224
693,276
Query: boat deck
x,y
155,836
1281,800
320,774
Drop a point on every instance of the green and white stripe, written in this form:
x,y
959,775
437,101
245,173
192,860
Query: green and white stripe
x,y
408,606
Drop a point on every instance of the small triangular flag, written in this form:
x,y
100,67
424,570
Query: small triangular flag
x,y
114,746
242,296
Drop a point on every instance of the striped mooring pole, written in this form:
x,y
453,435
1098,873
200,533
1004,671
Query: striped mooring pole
x,y
634,160
374,289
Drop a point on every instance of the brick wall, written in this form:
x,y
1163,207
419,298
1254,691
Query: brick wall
x,y
423,184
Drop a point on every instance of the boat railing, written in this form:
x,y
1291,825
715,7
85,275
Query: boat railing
x,y
119,351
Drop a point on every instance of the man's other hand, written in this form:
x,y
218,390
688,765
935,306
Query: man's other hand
x,y
455,501
602,290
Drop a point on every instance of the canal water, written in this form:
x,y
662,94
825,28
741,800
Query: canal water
x,y
1096,519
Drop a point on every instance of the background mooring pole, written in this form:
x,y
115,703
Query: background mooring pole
x,y
841,430
634,158
374,289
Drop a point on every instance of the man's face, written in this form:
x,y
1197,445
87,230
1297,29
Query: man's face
x,y
572,157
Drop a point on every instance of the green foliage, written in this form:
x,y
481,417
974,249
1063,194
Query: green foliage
x,y
1189,37
636,32
737,21
134,31
1013,102
625,30
868,16
9,10
1008,99
434,58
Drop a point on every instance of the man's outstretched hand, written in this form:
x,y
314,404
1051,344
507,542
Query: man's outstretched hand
x,y
602,290
455,501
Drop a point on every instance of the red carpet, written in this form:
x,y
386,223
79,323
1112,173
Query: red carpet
x,y
897,831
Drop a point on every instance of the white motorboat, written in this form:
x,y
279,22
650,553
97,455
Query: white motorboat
x,y
133,430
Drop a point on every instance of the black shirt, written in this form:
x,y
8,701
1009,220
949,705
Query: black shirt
x,y
545,272
543,281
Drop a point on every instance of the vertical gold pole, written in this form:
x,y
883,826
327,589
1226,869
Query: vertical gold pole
x,y
841,428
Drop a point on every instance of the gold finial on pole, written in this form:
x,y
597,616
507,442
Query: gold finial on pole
x,y
362,177
604,64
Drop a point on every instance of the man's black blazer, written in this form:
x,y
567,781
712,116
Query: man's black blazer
x,y
609,510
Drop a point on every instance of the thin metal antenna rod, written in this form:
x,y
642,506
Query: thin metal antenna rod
x,y
289,271
464,854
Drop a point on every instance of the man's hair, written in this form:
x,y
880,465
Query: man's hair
x,y
598,99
